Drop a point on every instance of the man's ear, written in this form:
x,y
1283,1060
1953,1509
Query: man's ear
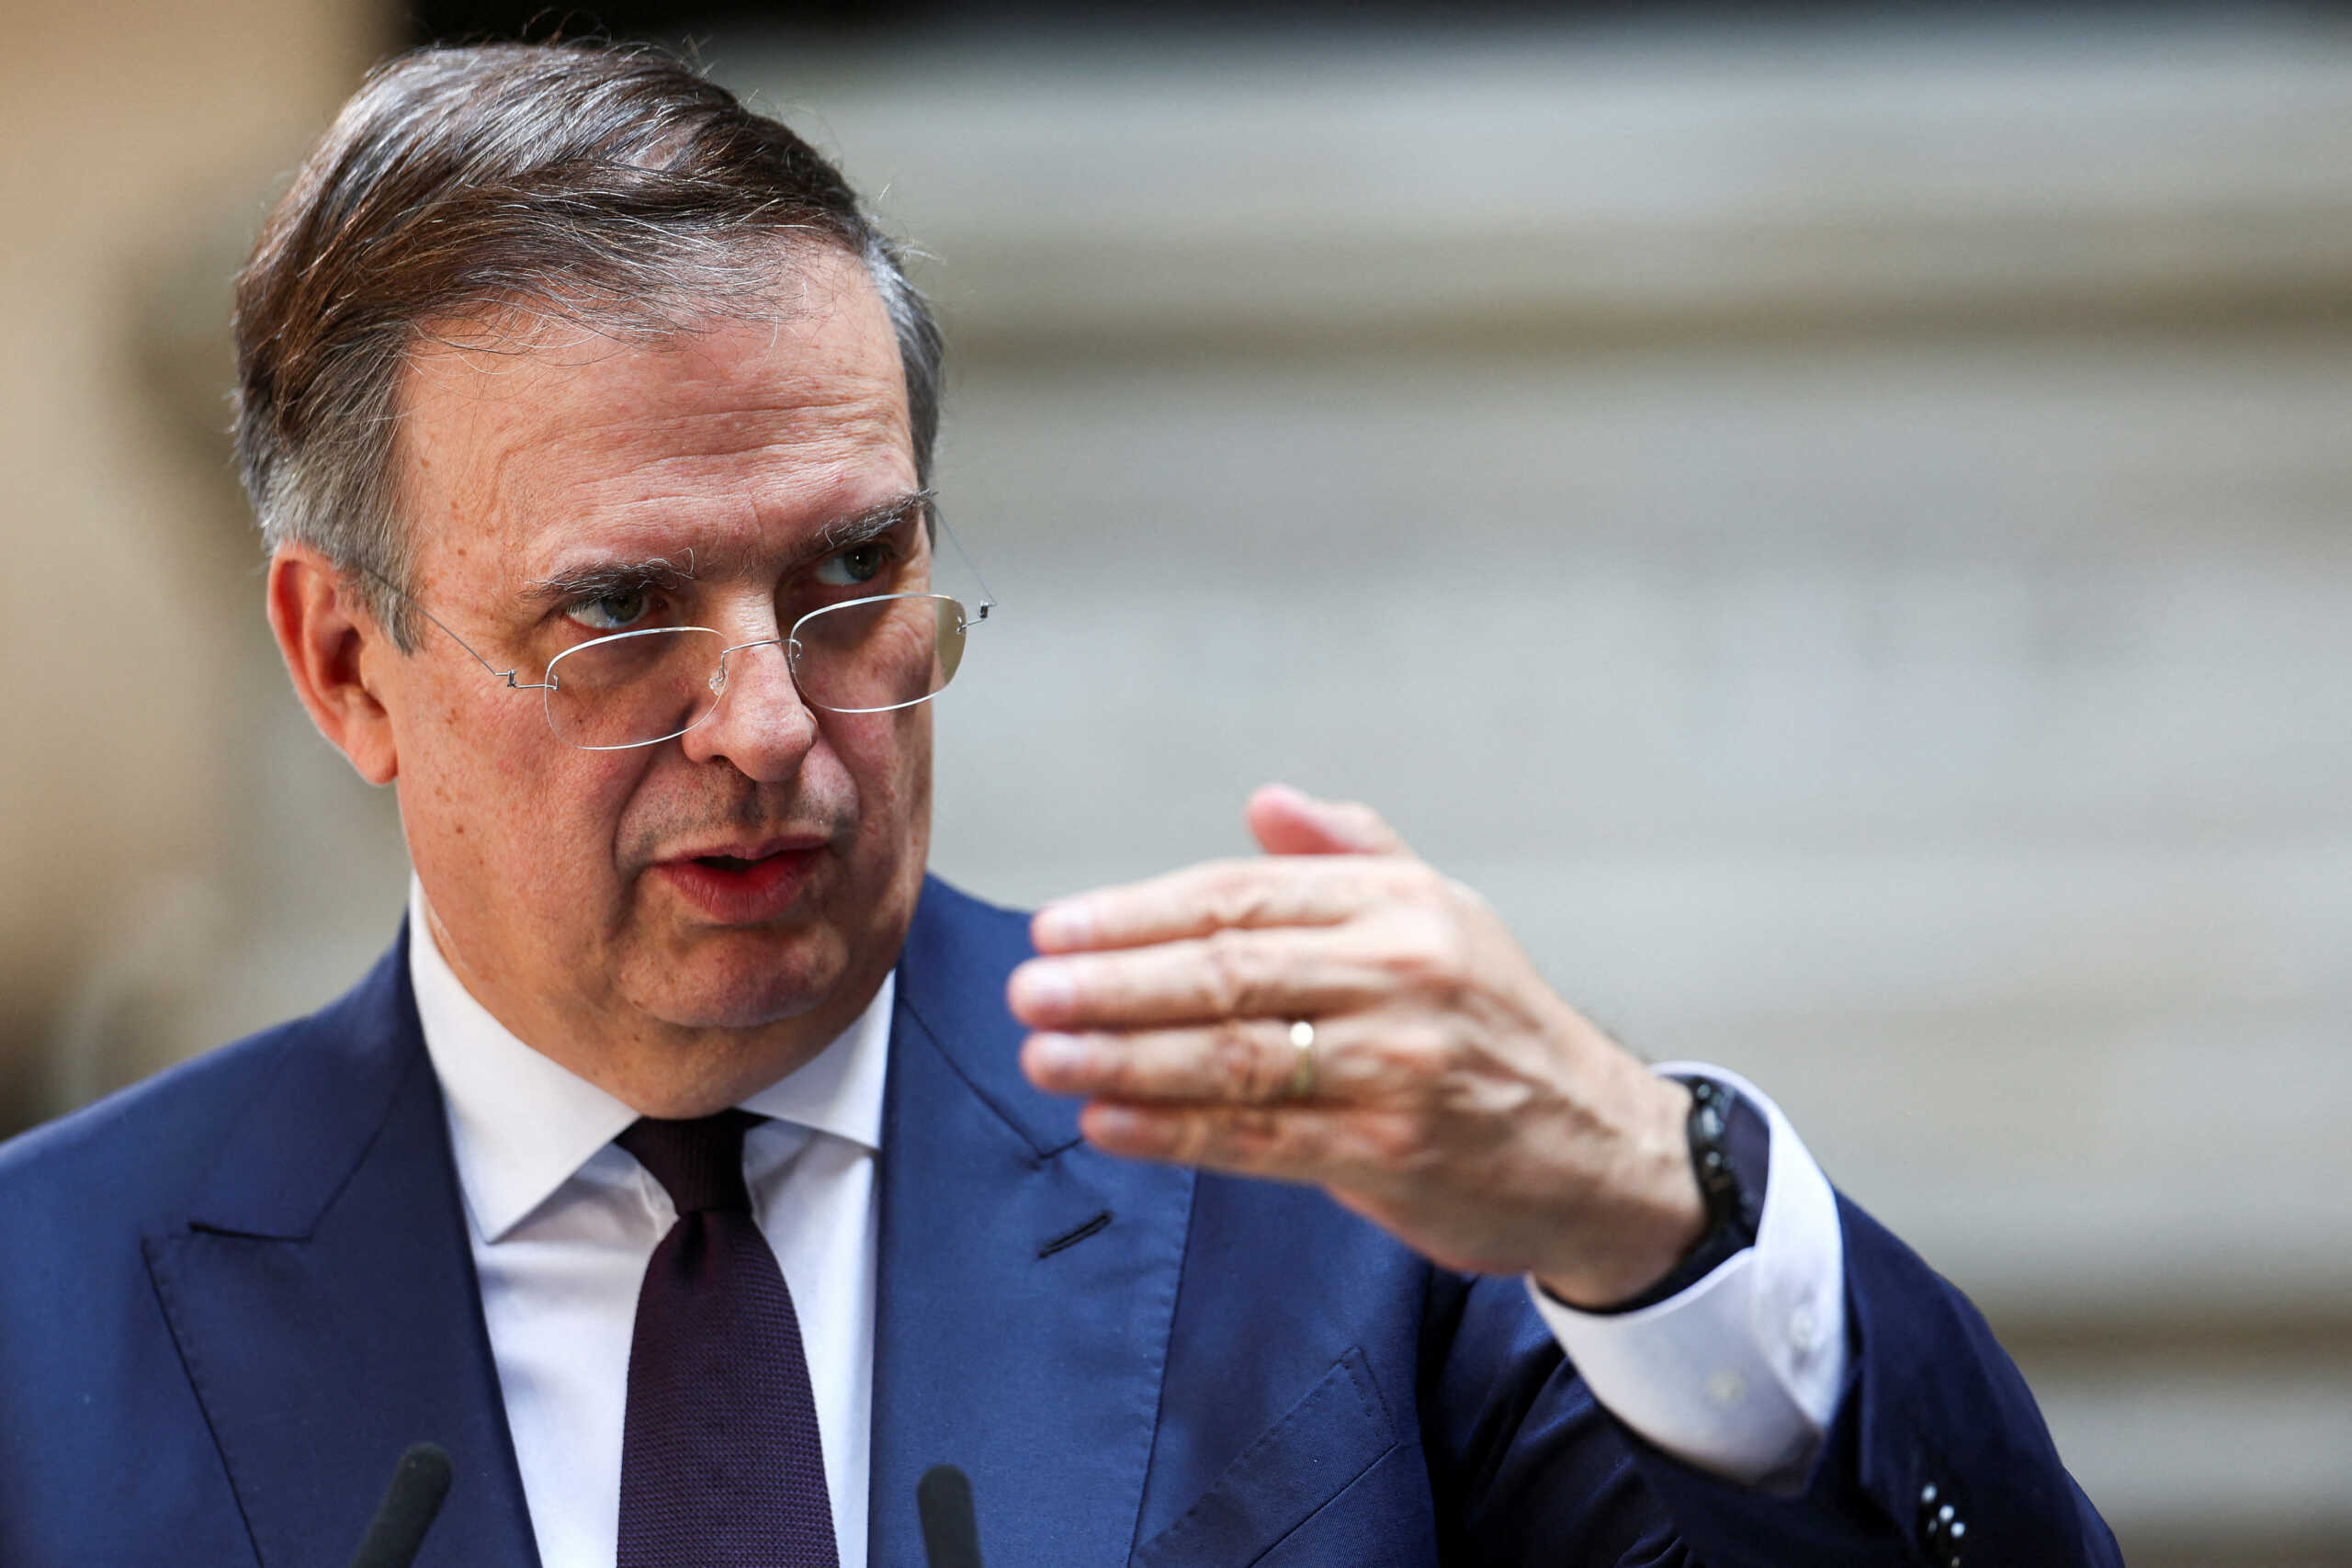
x,y
332,647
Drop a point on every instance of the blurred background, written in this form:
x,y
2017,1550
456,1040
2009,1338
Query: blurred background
x,y
1835,518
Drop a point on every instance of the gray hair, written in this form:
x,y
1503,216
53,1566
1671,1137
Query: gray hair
x,y
606,187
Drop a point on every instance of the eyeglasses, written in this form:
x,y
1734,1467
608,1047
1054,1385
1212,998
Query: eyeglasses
x,y
640,688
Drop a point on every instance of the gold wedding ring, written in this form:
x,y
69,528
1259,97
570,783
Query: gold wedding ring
x,y
1301,1073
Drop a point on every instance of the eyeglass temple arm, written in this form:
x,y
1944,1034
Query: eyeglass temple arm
x,y
987,599
496,674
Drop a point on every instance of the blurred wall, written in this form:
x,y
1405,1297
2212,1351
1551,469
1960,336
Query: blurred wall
x,y
142,141
1845,535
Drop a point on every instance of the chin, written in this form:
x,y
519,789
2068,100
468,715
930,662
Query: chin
x,y
746,984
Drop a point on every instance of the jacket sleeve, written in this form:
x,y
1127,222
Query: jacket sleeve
x,y
1529,1468
1937,1456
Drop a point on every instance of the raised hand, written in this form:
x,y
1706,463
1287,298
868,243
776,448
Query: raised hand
x,y
1440,1089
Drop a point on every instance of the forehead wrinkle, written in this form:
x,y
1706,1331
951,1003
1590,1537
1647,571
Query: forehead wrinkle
x,y
784,453
686,405
521,460
679,457
733,425
728,503
750,510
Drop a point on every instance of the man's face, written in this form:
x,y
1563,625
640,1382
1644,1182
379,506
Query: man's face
x,y
682,921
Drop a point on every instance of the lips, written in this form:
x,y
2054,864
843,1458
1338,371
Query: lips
x,y
744,884
728,862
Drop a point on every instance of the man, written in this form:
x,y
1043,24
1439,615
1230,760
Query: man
x,y
683,1169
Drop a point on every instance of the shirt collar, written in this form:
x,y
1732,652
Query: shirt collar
x,y
521,1123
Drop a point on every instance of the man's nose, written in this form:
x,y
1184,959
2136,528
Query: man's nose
x,y
760,723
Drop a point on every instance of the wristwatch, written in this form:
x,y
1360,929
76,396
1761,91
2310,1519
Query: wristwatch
x,y
1731,1154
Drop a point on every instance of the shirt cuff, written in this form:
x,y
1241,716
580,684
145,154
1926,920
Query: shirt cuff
x,y
1739,1375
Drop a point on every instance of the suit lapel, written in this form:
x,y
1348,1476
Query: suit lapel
x,y
322,1295
323,1299
1027,1283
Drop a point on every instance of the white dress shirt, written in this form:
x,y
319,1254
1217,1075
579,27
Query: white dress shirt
x,y
1739,1375
563,1224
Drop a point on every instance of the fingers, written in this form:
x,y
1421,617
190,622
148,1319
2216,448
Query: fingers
x,y
1286,821
1218,896
1245,1061
1169,1003
1324,875
1288,972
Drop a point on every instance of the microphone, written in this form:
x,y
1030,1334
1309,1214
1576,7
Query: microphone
x,y
419,1482
951,1537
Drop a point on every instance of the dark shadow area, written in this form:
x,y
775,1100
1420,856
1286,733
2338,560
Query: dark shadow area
x,y
881,21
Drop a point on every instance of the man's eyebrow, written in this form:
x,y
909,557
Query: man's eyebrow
x,y
600,578
858,527
610,577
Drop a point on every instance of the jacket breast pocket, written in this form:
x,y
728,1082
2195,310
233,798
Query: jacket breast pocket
x,y
1315,1451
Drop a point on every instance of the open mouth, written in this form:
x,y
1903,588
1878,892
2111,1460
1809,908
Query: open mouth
x,y
731,863
738,888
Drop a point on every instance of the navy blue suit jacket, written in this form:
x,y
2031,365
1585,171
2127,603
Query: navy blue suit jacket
x,y
231,1296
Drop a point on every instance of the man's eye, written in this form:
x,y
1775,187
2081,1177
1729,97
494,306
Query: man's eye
x,y
859,563
611,611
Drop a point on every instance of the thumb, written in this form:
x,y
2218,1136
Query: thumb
x,y
1286,821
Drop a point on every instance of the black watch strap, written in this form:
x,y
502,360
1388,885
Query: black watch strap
x,y
1731,1154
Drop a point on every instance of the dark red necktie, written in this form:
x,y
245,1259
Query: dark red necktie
x,y
721,1466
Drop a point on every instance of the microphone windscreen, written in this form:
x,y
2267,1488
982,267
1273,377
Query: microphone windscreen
x,y
419,1482
951,1536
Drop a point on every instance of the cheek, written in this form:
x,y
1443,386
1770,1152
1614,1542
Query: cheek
x,y
569,813
888,760
892,750
530,818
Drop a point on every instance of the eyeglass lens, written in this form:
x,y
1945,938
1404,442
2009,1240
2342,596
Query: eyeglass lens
x,y
864,656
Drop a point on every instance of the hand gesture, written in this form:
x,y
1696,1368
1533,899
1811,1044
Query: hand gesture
x,y
1337,1012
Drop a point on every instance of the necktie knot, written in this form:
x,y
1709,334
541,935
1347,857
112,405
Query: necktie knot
x,y
698,1162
